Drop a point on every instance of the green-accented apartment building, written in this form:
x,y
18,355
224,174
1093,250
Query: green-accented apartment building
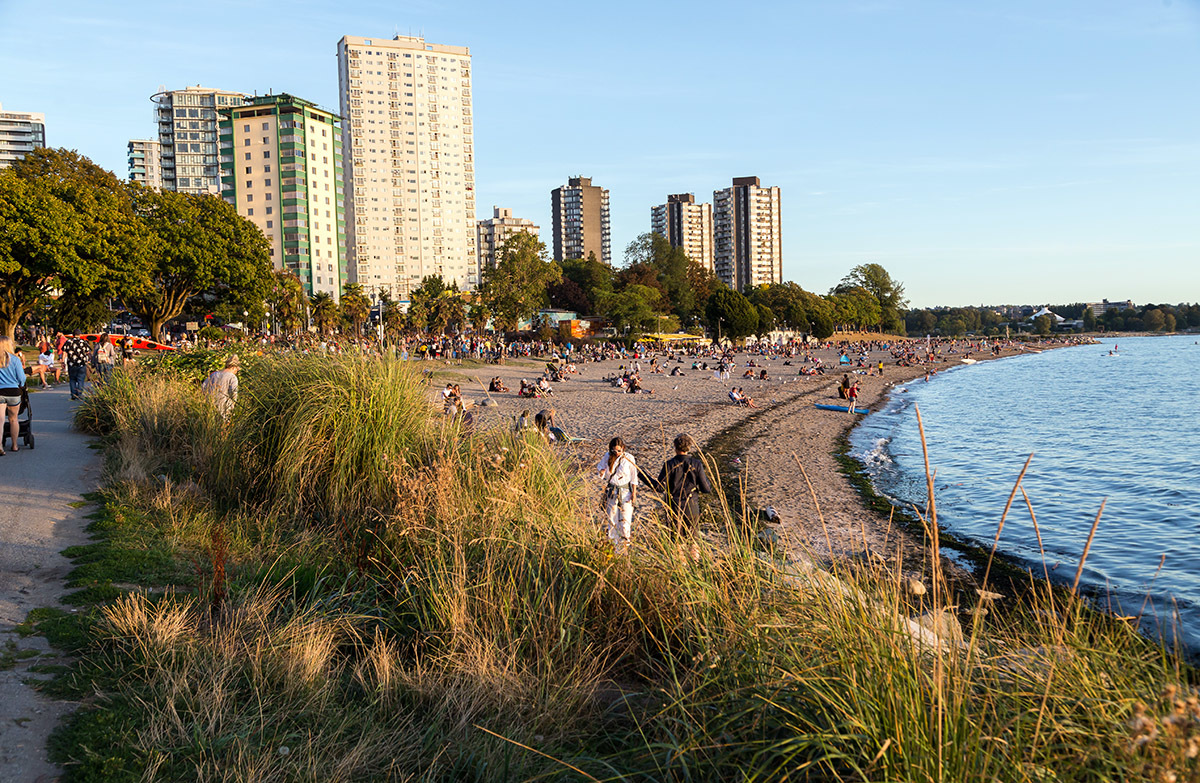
x,y
281,166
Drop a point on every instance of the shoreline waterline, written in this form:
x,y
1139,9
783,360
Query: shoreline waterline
x,y
1096,436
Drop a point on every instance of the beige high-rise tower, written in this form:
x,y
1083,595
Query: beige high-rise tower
x,y
687,225
746,234
281,166
494,230
407,146
581,221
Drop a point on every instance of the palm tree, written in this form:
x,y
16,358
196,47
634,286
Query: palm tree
x,y
324,312
288,302
355,306
446,310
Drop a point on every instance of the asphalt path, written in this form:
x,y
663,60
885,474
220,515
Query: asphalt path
x,y
40,493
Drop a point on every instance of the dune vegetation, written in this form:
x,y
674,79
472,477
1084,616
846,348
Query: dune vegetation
x,y
339,585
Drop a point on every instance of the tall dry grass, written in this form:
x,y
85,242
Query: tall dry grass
x,y
411,601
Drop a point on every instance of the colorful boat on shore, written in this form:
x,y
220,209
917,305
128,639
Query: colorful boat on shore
x,y
139,343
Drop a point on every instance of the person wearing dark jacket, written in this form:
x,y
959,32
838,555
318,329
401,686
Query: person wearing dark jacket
x,y
680,479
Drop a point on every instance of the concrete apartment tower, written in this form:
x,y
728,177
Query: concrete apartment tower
x,y
145,163
281,166
581,221
187,133
494,230
746,234
407,143
21,132
687,225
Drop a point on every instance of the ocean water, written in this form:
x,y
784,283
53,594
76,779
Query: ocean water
x,y
1124,428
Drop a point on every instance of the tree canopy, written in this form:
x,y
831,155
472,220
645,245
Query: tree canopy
x,y
888,294
732,314
516,287
197,244
66,225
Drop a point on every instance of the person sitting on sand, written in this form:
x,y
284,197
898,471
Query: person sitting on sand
x,y
543,387
676,372
748,374
497,385
522,422
747,400
762,376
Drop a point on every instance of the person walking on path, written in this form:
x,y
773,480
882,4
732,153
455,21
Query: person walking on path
x,y
12,382
77,355
221,386
106,357
618,469
681,479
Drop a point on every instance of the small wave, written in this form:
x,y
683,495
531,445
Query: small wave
x,y
877,455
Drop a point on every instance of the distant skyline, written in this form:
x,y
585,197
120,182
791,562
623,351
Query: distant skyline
x,y
1016,152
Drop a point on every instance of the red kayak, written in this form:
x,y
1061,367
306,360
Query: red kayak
x,y
139,343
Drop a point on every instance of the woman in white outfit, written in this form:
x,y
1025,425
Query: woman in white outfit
x,y
619,471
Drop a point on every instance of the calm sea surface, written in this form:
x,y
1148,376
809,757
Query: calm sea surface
x,y
1125,428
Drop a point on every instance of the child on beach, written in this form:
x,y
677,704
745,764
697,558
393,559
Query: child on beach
x,y
852,395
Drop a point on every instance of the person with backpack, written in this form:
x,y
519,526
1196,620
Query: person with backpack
x,y
681,480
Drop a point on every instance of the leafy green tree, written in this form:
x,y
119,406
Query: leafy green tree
x,y
1169,322
1043,324
766,321
786,302
197,244
324,312
36,247
355,307
1153,320
731,314
66,225
73,312
635,307
855,308
567,295
517,285
686,285
1089,320
888,293
593,277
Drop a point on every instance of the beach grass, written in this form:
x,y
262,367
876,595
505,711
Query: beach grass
x,y
339,585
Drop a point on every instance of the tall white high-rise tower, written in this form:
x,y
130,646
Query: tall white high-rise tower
x,y
408,152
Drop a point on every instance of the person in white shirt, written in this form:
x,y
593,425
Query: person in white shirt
x,y
618,469
222,386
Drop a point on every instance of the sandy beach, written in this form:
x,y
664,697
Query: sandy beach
x,y
764,446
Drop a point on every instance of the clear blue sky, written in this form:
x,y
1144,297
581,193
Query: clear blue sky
x,y
1001,151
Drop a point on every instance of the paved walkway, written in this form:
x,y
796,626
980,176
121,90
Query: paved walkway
x,y
37,521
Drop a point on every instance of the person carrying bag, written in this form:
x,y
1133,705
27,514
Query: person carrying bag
x,y
619,472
